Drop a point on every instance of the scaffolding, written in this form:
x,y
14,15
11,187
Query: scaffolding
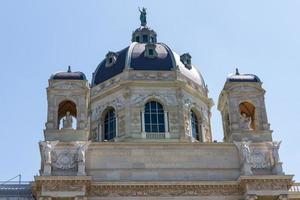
x,y
12,189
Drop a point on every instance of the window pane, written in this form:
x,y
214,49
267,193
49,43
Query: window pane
x,y
154,118
147,107
137,39
161,128
161,118
154,128
153,106
195,126
147,118
159,106
145,38
110,125
147,127
151,52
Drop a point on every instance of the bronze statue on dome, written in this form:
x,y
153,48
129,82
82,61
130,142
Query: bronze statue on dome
x,y
143,16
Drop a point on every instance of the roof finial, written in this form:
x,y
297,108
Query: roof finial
x,y
69,69
237,71
143,16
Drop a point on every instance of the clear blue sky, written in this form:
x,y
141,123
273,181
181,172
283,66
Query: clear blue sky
x,y
38,38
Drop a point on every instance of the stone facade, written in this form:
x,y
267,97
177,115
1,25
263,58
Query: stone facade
x,y
140,133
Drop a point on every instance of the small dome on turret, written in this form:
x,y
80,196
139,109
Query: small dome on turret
x,y
237,77
68,75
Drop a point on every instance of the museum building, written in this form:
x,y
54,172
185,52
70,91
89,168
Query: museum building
x,y
141,130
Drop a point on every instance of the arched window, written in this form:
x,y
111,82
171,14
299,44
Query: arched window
x,y
66,115
195,125
247,112
154,117
109,124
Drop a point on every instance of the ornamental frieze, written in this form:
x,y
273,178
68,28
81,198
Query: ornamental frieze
x,y
163,190
60,186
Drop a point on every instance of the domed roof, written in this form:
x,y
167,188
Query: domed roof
x,y
145,53
68,75
237,77
143,56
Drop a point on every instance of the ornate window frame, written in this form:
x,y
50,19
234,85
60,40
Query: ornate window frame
x,y
195,120
101,128
111,59
186,59
166,133
150,50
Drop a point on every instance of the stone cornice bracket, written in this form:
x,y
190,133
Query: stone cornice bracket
x,y
266,184
283,197
61,186
251,197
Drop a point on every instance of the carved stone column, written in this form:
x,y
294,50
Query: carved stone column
x,y
167,133
143,125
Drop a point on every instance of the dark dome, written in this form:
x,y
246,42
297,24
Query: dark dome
x,y
136,57
162,61
68,75
237,77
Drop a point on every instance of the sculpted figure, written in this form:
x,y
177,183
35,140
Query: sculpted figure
x,y
275,148
82,147
67,121
143,16
47,148
246,151
245,122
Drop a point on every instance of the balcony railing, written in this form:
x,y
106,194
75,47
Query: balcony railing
x,y
295,188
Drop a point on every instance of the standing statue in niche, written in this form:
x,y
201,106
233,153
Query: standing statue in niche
x,y
67,121
275,148
245,122
143,16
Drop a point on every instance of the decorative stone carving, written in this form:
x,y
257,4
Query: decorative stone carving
x,y
275,153
163,190
64,160
81,149
207,135
267,185
47,148
187,126
60,186
283,197
245,156
259,159
139,99
67,86
117,103
44,198
246,153
251,197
